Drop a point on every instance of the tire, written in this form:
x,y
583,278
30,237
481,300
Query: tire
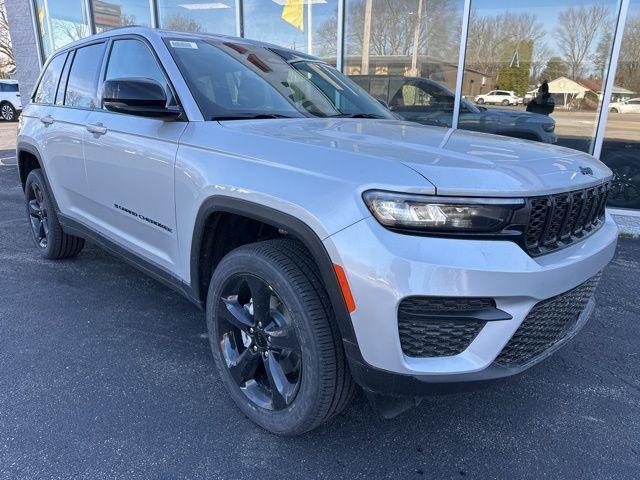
x,y
614,110
7,112
323,386
505,102
52,242
480,101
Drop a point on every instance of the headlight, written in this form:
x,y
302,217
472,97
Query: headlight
x,y
441,214
549,127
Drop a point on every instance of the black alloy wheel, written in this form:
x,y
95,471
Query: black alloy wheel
x,y
625,185
259,343
38,218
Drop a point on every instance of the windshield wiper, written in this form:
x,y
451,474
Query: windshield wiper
x,y
357,115
249,117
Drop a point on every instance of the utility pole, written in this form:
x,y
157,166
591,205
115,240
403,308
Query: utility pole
x,y
366,38
416,41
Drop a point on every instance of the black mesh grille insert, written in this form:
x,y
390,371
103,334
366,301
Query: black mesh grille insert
x,y
556,221
547,323
424,334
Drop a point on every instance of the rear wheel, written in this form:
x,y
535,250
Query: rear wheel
x,y
47,233
274,339
480,101
614,110
505,102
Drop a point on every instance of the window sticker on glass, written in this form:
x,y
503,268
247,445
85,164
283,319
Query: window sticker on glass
x,y
183,44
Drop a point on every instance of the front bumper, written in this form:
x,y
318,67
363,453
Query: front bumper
x,y
384,267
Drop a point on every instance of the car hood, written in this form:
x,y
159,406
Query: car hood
x,y
516,115
456,162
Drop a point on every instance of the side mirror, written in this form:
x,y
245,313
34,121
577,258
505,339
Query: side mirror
x,y
138,96
383,103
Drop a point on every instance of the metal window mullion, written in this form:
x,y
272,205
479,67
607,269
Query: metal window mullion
x,y
466,14
36,32
88,7
153,9
340,37
610,79
239,19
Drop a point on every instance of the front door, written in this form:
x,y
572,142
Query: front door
x,y
130,164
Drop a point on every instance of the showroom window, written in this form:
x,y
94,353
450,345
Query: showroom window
x,y
61,22
120,13
621,146
204,16
310,26
405,54
550,58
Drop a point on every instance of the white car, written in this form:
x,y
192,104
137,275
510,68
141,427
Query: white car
x,y
628,106
499,97
10,104
330,244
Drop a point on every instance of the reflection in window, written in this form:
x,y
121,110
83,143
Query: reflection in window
x,y
204,16
393,48
61,22
120,13
310,26
621,147
83,78
539,66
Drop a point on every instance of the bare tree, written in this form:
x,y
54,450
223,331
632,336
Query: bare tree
x,y
577,30
7,59
628,74
182,23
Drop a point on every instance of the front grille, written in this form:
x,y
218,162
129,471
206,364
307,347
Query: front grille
x,y
547,324
427,330
556,221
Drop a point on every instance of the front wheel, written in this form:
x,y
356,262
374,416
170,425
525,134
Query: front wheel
x,y
7,112
480,101
505,102
274,338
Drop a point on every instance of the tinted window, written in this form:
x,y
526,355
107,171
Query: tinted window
x,y
132,58
83,78
8,87
46,92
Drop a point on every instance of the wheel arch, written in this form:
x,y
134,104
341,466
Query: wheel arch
x,y
29,158
281,222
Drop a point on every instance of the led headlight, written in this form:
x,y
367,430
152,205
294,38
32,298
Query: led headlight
x,y
441,214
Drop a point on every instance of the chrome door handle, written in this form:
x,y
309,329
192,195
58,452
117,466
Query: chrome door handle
x,y
96,128
48,120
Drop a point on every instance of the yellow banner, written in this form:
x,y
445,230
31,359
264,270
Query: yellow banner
x,y
293,12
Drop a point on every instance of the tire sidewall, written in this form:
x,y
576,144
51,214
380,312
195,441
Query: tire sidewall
x,y
36,177
13,112
293,419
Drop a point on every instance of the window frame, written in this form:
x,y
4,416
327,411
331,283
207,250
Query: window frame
x,y
32,98
66,86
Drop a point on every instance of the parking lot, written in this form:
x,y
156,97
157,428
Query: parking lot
x,y
107,374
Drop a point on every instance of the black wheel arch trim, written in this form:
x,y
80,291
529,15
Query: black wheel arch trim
x,y
295,228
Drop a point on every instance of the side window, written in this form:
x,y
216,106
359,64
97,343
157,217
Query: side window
x,y
132,59
83,77
63,79
46,92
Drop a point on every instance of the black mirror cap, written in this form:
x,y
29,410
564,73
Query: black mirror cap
x,y
144,97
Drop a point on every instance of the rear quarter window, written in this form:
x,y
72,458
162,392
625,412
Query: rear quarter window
x,y
82,85
46,92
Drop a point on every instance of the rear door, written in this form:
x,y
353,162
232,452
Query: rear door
x,y
130,163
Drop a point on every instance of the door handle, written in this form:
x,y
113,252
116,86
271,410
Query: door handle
x,y
48,120
96,128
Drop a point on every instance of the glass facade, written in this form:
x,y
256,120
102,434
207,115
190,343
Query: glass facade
x,y
556,71
621,146
120,13
198,15
513,50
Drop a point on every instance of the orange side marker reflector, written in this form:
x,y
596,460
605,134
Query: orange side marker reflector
x,y
344,286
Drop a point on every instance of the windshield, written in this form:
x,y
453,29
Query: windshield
x,y
234,80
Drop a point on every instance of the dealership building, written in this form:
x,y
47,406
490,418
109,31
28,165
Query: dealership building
x,y
471,64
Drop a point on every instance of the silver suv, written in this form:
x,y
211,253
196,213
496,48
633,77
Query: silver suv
x,y
330,244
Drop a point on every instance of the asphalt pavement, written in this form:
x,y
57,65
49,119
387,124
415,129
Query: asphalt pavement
x,y
106,374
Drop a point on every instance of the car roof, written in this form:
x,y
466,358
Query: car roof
x,y
8,80
149,32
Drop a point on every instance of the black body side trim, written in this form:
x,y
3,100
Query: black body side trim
x,y
155,271
294,227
